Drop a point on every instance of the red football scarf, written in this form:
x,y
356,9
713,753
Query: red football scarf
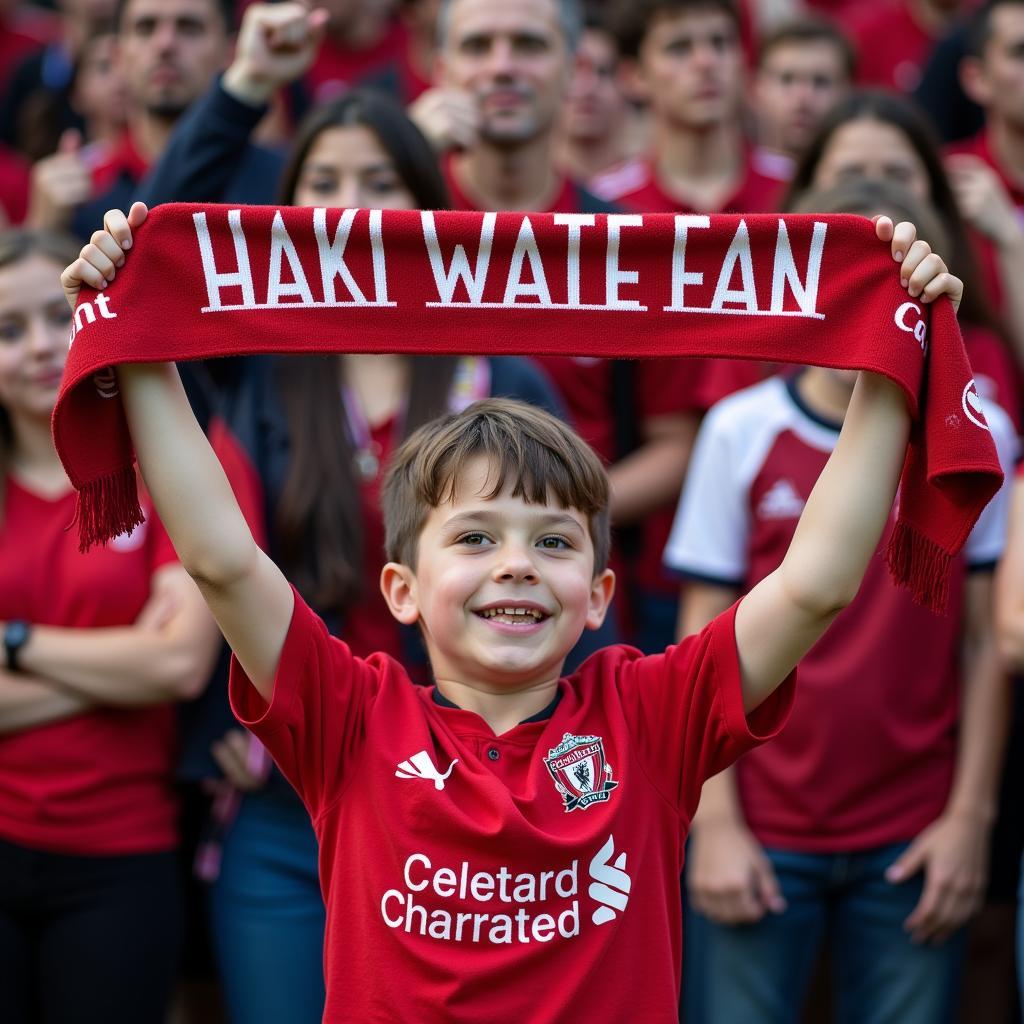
x,y
213,281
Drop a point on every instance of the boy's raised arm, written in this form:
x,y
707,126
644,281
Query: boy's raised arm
x,y
248,595
785,614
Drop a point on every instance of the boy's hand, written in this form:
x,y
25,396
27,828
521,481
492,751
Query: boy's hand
x,y
729,878
98,261
922,272
953,853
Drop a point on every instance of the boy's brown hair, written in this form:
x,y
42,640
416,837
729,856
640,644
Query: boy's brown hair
x,y
543,458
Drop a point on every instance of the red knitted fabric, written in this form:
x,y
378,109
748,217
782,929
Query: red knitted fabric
x,y
208,281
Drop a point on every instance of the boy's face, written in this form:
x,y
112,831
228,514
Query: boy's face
x,y
690,68
479,558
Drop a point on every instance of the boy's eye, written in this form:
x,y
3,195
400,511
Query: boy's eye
x,y
474,540
553,543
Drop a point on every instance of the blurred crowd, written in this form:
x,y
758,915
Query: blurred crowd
x,y
864,866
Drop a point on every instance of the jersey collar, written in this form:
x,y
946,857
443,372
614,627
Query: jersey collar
x,y
541,716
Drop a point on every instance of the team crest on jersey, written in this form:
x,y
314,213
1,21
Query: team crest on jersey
x,y
581,775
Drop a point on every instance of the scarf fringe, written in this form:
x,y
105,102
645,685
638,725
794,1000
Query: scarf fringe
x,y
106,508
919,564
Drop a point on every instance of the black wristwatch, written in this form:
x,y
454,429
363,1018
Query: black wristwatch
x,y
16,634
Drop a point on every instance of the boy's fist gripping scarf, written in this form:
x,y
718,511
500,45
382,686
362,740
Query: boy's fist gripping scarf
x,y
206,281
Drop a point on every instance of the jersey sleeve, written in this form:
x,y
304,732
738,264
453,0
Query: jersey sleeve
x,y
712,522
314,723
686,711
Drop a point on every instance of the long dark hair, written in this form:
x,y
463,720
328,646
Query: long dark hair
x,y
899,112
319,522
17,244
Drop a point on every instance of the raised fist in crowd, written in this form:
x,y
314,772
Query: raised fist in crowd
x,y
277,44
59,183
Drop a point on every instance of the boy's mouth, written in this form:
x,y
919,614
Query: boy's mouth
x,y
514,614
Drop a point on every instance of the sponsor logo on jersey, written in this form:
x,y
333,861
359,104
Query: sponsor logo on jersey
x,y
502,906
611,884
780,501
419,766
579,771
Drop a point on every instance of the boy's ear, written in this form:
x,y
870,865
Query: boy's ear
x,y
601,592
398,585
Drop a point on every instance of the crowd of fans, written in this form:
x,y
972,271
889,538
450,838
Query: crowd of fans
x,y
868,857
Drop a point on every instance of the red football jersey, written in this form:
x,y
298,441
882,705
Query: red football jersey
x,y
756,193
531,876
566,199
100,782
892,45
868,755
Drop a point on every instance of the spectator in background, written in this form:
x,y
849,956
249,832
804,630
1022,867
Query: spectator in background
x,y
895,40
47,73
1009,614
24,29
502,80
98,93
595,133
411,73
363,39
803,67
880,136
168,51
987,171
867,819
688,67
99,646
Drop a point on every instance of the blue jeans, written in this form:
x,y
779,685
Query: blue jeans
x,y
267,913
761,972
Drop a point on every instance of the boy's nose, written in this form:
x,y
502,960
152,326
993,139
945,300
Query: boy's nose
x,y
515,565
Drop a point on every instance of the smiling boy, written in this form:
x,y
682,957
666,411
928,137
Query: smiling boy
x,y
506,844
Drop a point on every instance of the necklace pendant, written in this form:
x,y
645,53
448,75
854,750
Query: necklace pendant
x,y
367,464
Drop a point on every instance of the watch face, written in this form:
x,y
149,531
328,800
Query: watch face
x,y
15,634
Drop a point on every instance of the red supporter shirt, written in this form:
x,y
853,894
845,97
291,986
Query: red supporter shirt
x,y
14,185
892,45
532,876
338,68
756,193
100,782
566,197
867,757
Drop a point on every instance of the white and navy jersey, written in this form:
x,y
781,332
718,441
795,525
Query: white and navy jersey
x,y
868,754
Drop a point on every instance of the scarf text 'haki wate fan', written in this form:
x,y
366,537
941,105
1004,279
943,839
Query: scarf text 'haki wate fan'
x,y
208,281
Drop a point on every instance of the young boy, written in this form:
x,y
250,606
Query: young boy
x,y
506,845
